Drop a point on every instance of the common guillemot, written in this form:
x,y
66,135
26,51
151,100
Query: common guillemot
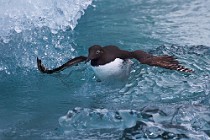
x,y
110,61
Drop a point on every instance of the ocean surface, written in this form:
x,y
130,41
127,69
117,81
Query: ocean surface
x,y
154,103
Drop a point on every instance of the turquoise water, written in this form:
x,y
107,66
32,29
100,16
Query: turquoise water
x,y
154,103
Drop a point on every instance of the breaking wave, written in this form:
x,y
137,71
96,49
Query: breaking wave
x,y
37,28
26,15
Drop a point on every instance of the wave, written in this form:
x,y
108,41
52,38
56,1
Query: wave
x,y
37,28
151,121
28,14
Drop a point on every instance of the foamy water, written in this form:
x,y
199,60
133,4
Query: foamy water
x,y
154,103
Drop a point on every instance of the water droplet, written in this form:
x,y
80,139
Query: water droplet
x,y
72,49
17,29
54,31
6,40
45,38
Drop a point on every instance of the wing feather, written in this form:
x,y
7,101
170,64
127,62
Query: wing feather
x,y
164,61
69,63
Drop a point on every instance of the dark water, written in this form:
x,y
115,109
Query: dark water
x,y
154,103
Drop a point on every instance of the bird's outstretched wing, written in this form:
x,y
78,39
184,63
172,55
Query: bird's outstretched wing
x,y
71,62
165,61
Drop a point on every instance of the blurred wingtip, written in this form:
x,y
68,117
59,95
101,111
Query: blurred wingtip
x,y
40,67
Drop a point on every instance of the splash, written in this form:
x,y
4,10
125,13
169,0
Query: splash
x,y
37,28
151,121
28,14
99,118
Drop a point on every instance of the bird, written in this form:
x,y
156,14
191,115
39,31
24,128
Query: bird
x,y
111,61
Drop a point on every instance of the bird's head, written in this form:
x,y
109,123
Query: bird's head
x,y
95,52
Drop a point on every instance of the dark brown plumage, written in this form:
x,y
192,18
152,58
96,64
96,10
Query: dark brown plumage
x,y
102,55
71,62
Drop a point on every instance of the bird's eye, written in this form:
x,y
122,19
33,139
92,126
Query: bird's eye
x,y
98,51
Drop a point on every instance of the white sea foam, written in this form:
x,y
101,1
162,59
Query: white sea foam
x,y
26,14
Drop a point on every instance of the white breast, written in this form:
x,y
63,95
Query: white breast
x,y
117,69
